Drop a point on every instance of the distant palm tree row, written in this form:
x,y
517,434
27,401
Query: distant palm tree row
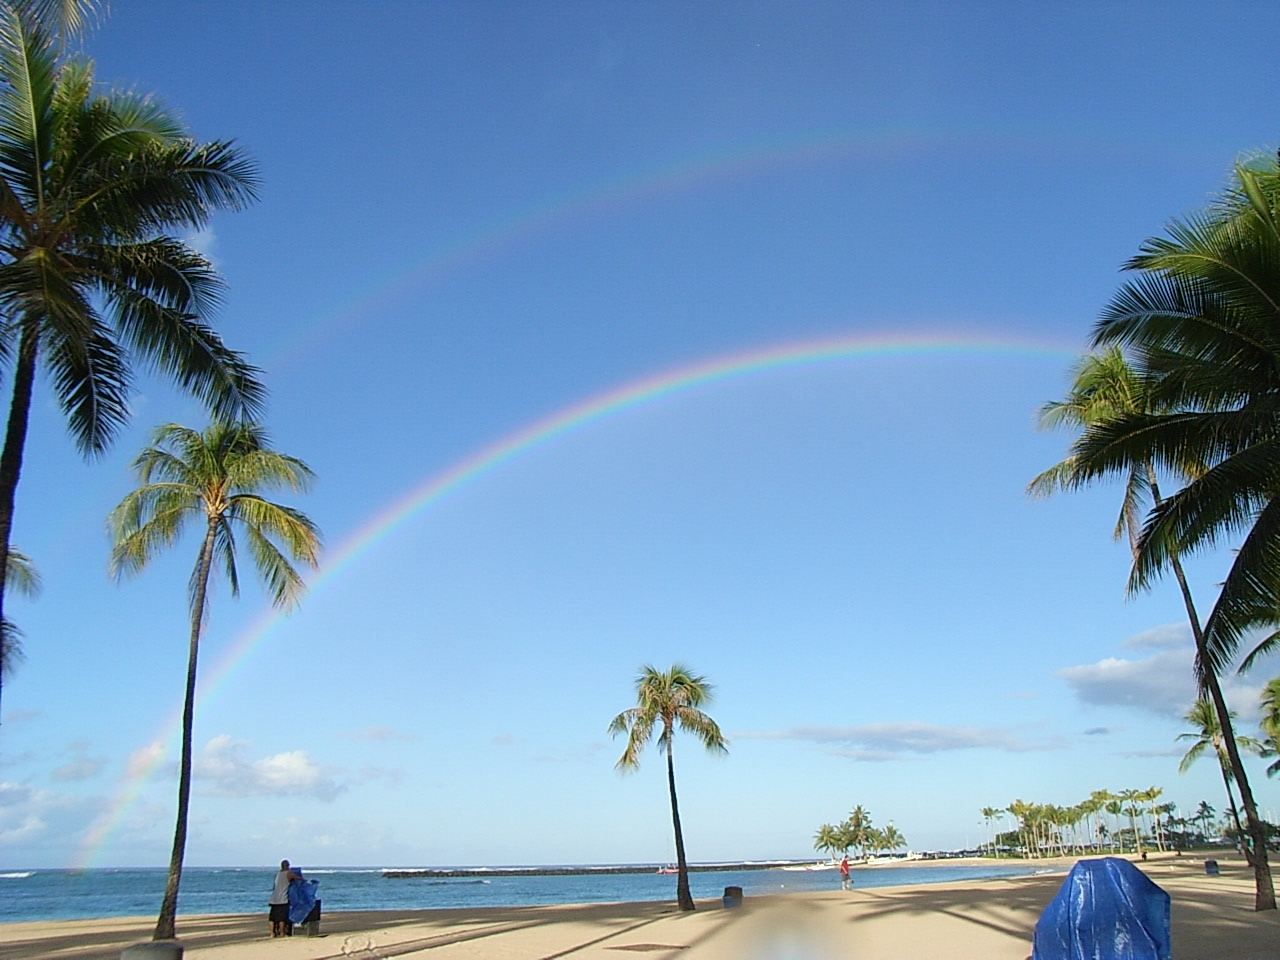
x,y
1185,390
1045,829
857,832
1048,830
1117,822
96,189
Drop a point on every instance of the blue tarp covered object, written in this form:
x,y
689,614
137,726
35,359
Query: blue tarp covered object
x,y
1107,909
302,897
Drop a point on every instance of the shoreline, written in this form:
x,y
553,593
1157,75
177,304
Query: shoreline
x,y
954,920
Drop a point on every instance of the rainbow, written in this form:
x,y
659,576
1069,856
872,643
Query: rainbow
x,y
725,164
652,389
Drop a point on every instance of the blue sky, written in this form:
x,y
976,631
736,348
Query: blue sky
x,y
475,216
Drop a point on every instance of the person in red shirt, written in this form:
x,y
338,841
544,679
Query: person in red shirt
x,y
845,884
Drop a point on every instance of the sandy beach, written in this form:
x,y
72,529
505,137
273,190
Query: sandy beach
x,y
973,920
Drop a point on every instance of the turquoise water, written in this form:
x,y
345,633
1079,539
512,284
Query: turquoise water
x,y
66,894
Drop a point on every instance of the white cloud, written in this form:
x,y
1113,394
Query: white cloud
x,y
224,766
889,741
1163,683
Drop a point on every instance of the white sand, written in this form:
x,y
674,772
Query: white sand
x,y
1213,919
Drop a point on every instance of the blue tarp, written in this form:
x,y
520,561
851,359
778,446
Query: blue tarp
x,y
302,897
1107,909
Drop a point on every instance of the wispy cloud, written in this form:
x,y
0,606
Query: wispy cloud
x,y
878,742
1144,754
30,814
81,766
380,734
1171,636
224,766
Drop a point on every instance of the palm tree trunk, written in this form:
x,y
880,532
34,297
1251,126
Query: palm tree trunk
x,y
1264,893
684,899
165,924
1235,816
15,439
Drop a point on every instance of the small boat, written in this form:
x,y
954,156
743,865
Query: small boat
x,y
820,865
668,869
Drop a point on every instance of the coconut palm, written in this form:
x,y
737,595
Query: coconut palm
x,y
892,838
216,477
1202,322
827,838
989,817
1207,735
24,579
1149,797
1204,813
1271,723
859,826
93,185
669,700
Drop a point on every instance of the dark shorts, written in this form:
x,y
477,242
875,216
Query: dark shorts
x,y
279,913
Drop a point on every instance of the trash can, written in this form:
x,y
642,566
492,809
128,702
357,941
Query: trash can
x,y
1211,868
733,896
312,922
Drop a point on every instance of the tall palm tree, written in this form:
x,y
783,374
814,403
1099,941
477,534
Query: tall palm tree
x,y
93,187
989,815
1130,800
1150,796
217,476
1202,320
1206,734
665,702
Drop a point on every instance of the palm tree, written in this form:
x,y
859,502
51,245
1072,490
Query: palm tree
x,y
1150,796
1204,813
989,816
827,838
859,824
92,184
24,578
1114,808
1271,723
1202,320
1206,735
217,476
672,699
892,838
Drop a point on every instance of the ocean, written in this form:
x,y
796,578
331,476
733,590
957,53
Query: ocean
x,y
118,892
